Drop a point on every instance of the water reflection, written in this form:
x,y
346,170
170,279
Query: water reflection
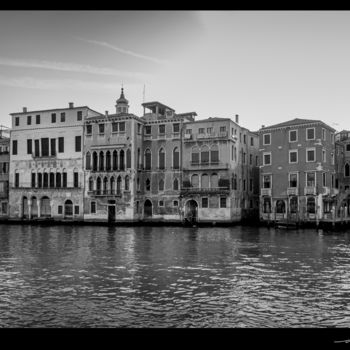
x,y
172,277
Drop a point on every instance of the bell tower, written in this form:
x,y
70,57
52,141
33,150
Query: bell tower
x,y
122,105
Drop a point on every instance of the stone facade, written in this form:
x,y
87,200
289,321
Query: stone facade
x,y
46,163
4,171
298,175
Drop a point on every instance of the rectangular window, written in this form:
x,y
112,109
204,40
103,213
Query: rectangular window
x,y
93,207
29,120
175,203
251,141
161,203
209,131
205,203
76,209
63,117
222,128
88,129
244,139
324,179
60,144
188,131
267,139
37,148
122,127
60,209
332,158
53,117
310,180
45,147
33,180
14,147
201,130
293,135
251,159
53,147
222,202
76,180
16,121
348,147
176,127
293,156
310,133
101,128
16,180
114,127
244,158
77,143
324,156
139,129
37,119
293,180
29,146
332,138
64,178
244,184
323,134
79,115
148,129
214,156
267,181
267,158
250,185
310,155
162,129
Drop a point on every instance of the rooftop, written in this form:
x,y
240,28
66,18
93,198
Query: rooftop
x,y
156,103
296,121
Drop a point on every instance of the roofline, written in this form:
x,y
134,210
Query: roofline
x,y
146,104
54,109
188,113
295,125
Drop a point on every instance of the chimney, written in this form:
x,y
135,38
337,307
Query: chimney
x,y
71,105
237,118
24,109
106,112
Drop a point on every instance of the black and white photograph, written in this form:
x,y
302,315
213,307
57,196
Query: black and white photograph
x,y
175,169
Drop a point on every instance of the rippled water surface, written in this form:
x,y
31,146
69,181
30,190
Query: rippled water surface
x,y
86,276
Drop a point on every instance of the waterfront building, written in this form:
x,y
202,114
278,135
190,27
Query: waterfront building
x,y
4,170
112,149
220,171
297,171
46,163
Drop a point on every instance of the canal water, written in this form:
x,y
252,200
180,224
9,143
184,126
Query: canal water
x,y
88,276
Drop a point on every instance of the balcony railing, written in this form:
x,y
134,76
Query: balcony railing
x,y
310,190
197,190
265,192
212,164
292,191
105,193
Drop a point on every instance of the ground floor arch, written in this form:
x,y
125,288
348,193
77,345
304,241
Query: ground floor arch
x,y
191,211
148,209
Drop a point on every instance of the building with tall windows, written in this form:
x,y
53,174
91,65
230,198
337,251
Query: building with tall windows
x,y
297,171
46,163
4,170
220,171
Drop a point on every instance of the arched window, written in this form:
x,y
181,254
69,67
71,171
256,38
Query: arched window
x,y
46,180
115,160
195,180
121,160
126,183
98,185
293,204
105,184
205,181
347,170
91,184
45,208
161,185
138,158
112,184
148,159
102,160
214,181
68,208
176,185
34,207
148,185
205,154
94,161
58,180
310,205
25,207
267,205
138,184
161,159
64,178
280,206
235,154
108,161
128,158
76,178
214,154
88,161
119,185
176,158
195,155
52,180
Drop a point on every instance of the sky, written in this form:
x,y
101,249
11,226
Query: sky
x,y
265,66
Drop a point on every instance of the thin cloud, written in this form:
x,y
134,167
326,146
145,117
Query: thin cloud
x,y
126,52
52,84
71,67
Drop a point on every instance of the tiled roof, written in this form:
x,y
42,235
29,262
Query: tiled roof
x,y
296,121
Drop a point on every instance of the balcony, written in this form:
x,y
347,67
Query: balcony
x,y
188,136
46,157
292,191
265,192
310,190
105,193
207,165
204,191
